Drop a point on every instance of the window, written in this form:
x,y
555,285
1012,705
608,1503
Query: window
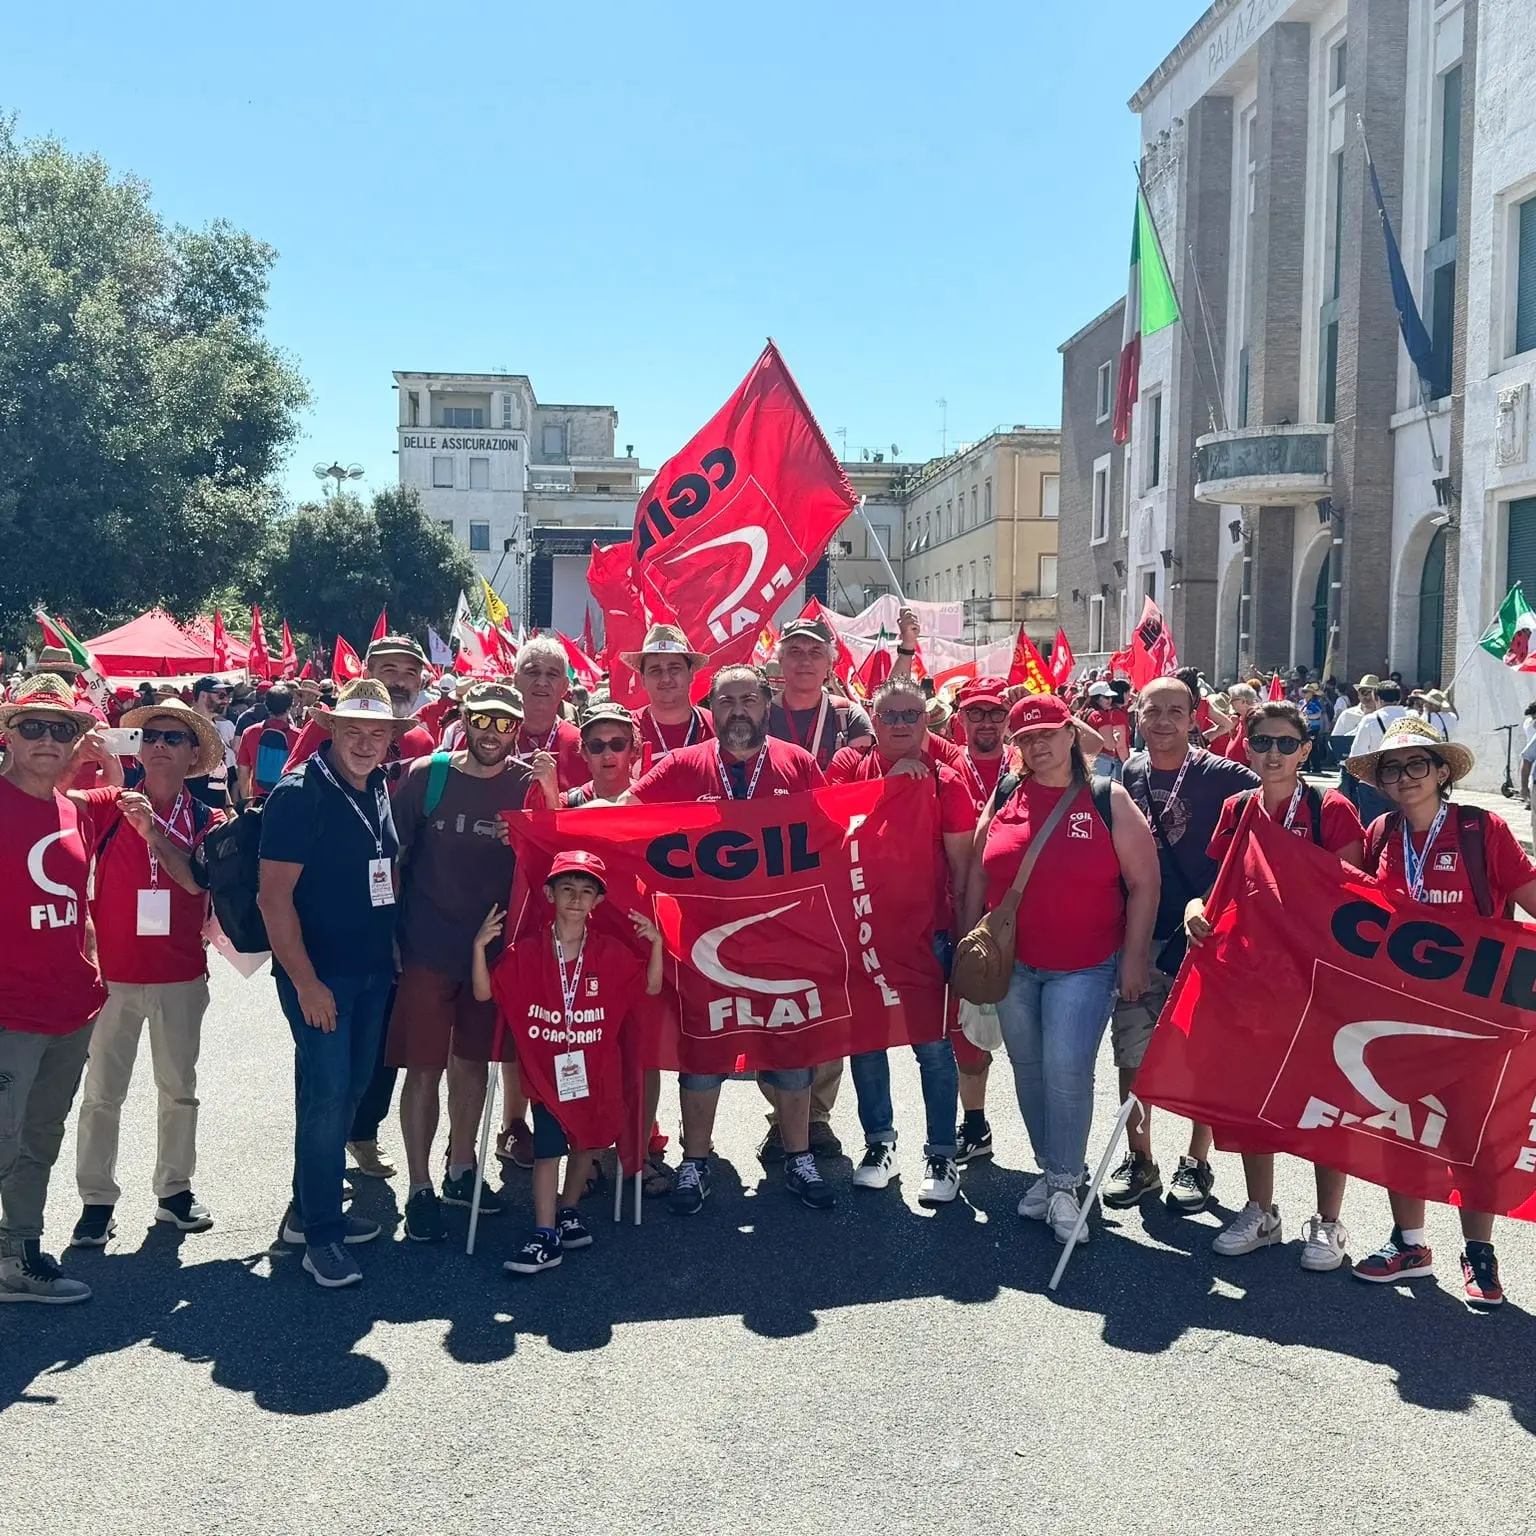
x,y
413,405
1096,624
949,519
1450,150
1525,269
1125,500
552,440
1338,61
479,474
974,518
1328,319
506,411
1328,389
1242,386
1104,392
986,574
1149,584
1047,575
1440,258
1050,495
442,474
986,501
464,416
1155,442
1100,501
446,523
479,538
973,578
883,538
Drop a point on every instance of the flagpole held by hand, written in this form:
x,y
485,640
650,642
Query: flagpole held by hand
x,y
880,550
1131,1103
485,1141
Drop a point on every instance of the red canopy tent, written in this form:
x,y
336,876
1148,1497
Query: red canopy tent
x,y
155,645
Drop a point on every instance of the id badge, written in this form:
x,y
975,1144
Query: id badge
x,y
154,913
381,883
571,1075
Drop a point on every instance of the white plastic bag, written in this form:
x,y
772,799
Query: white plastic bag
x,y
247,965
979,1024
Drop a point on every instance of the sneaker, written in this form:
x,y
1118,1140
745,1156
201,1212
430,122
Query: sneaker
x,y
515,1145
540,1252
332,1266
1480,1275
1253,1227
878,1168
424,1218
1061,1215
824,1142
572,1229
941,1183
32,1276
772,1149
461,1191
969,1146
184,1213
1190,1190
365,1154
690,1187
1396,1260
1136,1178
357,1229
1037,1200
802,1178
1325,1245
93,1229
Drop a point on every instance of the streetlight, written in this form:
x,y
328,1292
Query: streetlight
x,y
338,474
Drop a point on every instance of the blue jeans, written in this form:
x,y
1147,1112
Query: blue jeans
x,y
941,1095
1052,1022
331,1070
1108,766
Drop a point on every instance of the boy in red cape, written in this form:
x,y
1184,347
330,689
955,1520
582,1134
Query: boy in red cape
x,y
563,993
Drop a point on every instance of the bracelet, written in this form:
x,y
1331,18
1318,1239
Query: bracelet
x,y
902,650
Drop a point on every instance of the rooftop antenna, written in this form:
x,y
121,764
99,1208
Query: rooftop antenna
x,y
943,406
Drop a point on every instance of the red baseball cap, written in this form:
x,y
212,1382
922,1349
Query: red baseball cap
x,y
982,690
1039,712
577,861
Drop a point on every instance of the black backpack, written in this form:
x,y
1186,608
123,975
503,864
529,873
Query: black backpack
x,y
228,866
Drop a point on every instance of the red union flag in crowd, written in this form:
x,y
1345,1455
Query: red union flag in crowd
x,y
290,657
794,932
1151,652
346,664
1062,659
1029,666
1387,1039
258,660
220,643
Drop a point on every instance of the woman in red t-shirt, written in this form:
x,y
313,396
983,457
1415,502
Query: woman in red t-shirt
x,y
1278,747
1084,929
1415,852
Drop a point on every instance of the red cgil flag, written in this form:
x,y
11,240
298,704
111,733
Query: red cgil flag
x,y
1062,659
1029,666
289,660
1276,688
258,661
1399,1050
1152,651
380,625
220,643
346,664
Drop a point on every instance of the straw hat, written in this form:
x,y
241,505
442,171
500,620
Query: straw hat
x,y
1369,681
361,699
46,693
210,745
663,640
1411,731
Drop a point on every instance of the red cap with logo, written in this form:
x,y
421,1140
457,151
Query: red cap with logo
x,y
1039,712
983,690
577,861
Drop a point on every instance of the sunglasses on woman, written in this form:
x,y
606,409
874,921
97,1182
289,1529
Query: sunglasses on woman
x,y
1409,768
503,725
170,738
1286,746
900,716
595,745
62,731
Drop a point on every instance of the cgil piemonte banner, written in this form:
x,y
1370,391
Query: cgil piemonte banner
x,y
795,930
1326,1018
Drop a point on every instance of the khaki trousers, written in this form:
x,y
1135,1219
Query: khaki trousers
x,y
823,1092
174,1012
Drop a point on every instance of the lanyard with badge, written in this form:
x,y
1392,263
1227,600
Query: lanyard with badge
x,y
725,782
570,1065
816,730
154,910
549,742
1413,864
1290,810
1152,813
661,741
381,878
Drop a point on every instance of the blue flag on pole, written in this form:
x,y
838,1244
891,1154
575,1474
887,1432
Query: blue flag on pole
x,y
1415,336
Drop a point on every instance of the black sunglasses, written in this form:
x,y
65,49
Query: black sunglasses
x,y
62,731
977,714
900,716
1286,746
596,744
170,738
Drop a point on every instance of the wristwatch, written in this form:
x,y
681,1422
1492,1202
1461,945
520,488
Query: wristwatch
x,y
906,650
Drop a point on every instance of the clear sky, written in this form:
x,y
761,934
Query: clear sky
x,y
918,201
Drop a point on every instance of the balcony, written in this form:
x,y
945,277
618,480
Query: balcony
x,y
1283,466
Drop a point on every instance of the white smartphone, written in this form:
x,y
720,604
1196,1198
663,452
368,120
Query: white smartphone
x,y
121,742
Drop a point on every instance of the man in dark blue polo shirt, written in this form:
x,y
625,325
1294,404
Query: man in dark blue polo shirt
x,y
328,850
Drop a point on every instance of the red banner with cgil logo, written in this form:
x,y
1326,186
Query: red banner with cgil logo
x,y
794,931
1323,1017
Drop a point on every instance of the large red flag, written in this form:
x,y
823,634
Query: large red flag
x,y
290,657
588,673
794,931
258,661
1062,659
220,643
345,662
875,667
1276,688
1152,651
1029,666
1358,1030
380,625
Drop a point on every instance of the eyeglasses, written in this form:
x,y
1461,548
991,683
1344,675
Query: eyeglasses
x,y
978,716
170,738
900,716
1286,746
62,731
1408,768
503,725
594,745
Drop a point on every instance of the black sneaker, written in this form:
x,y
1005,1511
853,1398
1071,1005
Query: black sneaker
x,y
973,1144
540,1252
690,1187
1136,1178
572,1229
424,1218
802,1178
184,1213
824,1142
1190,1190
461,1191
94,1227
772,1149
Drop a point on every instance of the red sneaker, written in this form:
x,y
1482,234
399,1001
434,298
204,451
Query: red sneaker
x,y
1397,1261
1480,1275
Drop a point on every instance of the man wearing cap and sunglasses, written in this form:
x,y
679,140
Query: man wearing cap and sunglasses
x,y
665,665
211,699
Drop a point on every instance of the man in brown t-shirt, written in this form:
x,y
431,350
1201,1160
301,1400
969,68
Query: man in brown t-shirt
x,y
455,864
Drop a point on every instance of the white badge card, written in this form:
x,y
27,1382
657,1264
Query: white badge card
x,y
571,1075
381,883
154,913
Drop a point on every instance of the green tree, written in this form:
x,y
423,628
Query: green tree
x,y
331,566
142,411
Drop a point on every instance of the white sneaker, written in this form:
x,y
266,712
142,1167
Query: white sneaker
x,y
1062,1214
1325,1245
941,1183
1036,1199
1251,1228
878,1168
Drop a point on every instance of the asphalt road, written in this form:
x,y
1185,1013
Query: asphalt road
x,y
760,1368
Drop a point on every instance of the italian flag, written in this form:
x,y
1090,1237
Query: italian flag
x,y
57,633
1150,306
1509,636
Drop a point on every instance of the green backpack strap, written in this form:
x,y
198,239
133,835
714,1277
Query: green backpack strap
x,y
437,781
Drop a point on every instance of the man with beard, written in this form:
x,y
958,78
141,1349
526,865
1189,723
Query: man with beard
x,y
211,699
743,762
455,865
665,666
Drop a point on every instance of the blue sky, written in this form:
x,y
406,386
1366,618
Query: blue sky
x,y
621,201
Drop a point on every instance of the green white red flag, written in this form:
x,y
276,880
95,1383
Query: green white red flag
x,y
1150,306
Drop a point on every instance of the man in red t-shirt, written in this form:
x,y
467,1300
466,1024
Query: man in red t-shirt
x,y
149,913
261,756
542,680
670,719
49,987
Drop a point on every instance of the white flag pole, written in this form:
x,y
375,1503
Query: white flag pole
x,y
1132,1103
485,1141
885,560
